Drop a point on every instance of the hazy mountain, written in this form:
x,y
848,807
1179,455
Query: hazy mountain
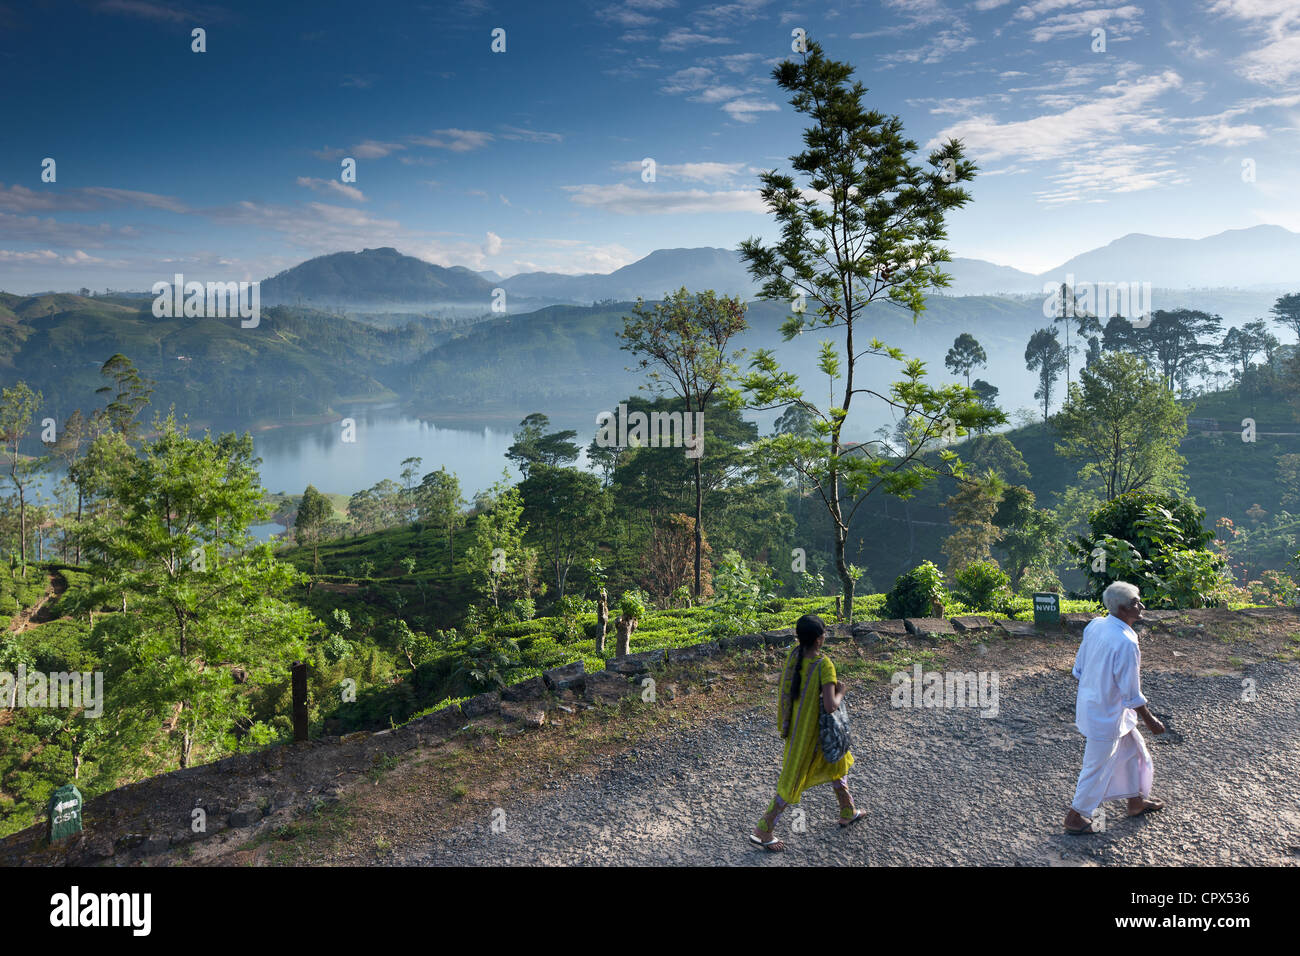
x,y
978,277
1258,256
377,278
384,280
664,270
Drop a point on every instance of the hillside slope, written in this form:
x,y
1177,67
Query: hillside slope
x,y
681,778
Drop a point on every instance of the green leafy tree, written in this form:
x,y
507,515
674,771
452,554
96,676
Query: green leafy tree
x,y
1031,541
498,557
974,533
534,445
1240,345
410,471
17,406
441,503
1125,424
203,599
966,353
1158,543
683,344
1045,356
867,228
1173,343
314,513
1286,312
566,508
126,397
985,393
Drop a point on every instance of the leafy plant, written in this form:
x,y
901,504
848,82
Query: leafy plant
x,y
915,592
983,586
487,662
741,592
1157,543
632,605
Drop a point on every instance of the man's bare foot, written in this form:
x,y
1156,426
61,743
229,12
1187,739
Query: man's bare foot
x,y
1140,805
1076,822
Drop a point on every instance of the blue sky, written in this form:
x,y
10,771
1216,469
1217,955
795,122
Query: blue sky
x,y
225,164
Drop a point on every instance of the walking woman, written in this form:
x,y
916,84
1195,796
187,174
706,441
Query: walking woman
x,y
808,685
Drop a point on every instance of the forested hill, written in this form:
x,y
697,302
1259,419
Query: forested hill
x,y
300,363
295,363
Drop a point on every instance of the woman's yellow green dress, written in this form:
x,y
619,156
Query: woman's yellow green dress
x,y
804,765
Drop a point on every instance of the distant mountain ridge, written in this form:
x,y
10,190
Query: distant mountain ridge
x,y
386,280
375,276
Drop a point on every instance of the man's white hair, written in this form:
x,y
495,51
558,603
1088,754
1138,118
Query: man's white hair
x,y
1119,594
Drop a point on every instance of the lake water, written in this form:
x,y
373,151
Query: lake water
x,y
296,456
293,457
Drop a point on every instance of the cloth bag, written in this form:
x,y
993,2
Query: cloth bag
x,y
833,728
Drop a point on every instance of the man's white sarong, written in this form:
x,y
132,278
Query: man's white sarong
x,y
1113,770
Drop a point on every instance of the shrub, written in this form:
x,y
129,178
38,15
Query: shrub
x,y
1156,542
567,611
523,609
983,586
741,591
1039,579
916,591
632,605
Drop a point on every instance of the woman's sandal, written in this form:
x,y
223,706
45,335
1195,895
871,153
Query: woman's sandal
x,y
773,845
846,823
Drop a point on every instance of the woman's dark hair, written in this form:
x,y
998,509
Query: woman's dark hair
x,y
808,628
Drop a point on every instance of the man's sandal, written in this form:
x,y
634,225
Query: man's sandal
x,y
1148,809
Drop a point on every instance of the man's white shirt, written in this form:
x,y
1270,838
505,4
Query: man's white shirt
x,y
1108,668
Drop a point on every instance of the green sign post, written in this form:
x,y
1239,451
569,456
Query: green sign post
x,y
65,812
1047,608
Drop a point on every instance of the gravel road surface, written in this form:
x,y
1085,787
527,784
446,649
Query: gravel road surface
x,y
942,787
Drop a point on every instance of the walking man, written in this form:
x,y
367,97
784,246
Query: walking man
x,y
1108,667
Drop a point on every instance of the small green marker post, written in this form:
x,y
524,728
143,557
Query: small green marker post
x,y
65,813
1047,608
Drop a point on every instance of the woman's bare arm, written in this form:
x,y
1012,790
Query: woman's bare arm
x,y
832,694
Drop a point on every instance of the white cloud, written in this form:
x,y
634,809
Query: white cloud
x,y
1083,22
743,110
631,201
707,172
1122,108
370,149
48,257
942,44
681,38
530,135
456,140
493,244
51,232
332,185
21,199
